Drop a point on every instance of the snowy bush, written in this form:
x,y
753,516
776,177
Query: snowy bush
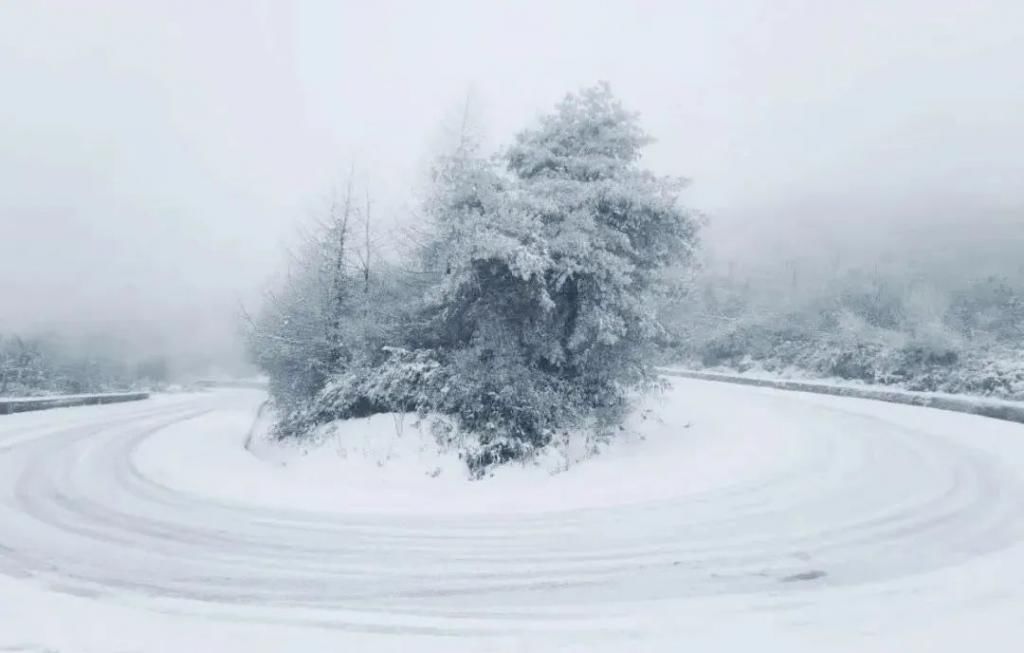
x,y
991,308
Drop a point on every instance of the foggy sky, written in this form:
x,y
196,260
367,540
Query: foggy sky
x,y
155,156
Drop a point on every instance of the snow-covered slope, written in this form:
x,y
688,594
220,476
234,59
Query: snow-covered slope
x,y
732,518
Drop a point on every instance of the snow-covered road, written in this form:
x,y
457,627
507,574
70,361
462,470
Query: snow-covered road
x,y
747,519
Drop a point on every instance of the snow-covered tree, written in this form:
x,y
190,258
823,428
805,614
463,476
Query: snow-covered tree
x,y
554,257
334,313
302,333
532,304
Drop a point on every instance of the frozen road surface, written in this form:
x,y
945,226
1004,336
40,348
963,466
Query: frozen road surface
x,y
745,519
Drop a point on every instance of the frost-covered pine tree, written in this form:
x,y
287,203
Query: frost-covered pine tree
x,y
554,257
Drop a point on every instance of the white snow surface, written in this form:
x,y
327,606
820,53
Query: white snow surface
x,y
726,518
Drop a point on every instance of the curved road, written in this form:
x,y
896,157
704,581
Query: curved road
x,y
847,525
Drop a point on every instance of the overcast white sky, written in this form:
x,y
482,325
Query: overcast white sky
x,y
155,155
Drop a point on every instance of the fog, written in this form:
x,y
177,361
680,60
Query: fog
x,y
156,157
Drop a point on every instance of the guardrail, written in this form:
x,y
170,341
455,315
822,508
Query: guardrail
x,y
1011,411
19,405
232,383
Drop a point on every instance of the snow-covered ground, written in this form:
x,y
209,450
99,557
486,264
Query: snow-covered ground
x,y
731,518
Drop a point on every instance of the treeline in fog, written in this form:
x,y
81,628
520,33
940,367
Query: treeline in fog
x,y
48,364
917,322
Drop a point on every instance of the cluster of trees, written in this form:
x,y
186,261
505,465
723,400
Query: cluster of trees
x,y
524,303
47,364
920,331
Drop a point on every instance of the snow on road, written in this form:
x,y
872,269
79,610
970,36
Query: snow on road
x,y
745,519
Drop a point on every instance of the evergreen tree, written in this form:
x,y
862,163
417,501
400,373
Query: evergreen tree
x,y
554,256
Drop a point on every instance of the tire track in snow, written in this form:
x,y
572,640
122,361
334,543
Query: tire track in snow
x,y
844,499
